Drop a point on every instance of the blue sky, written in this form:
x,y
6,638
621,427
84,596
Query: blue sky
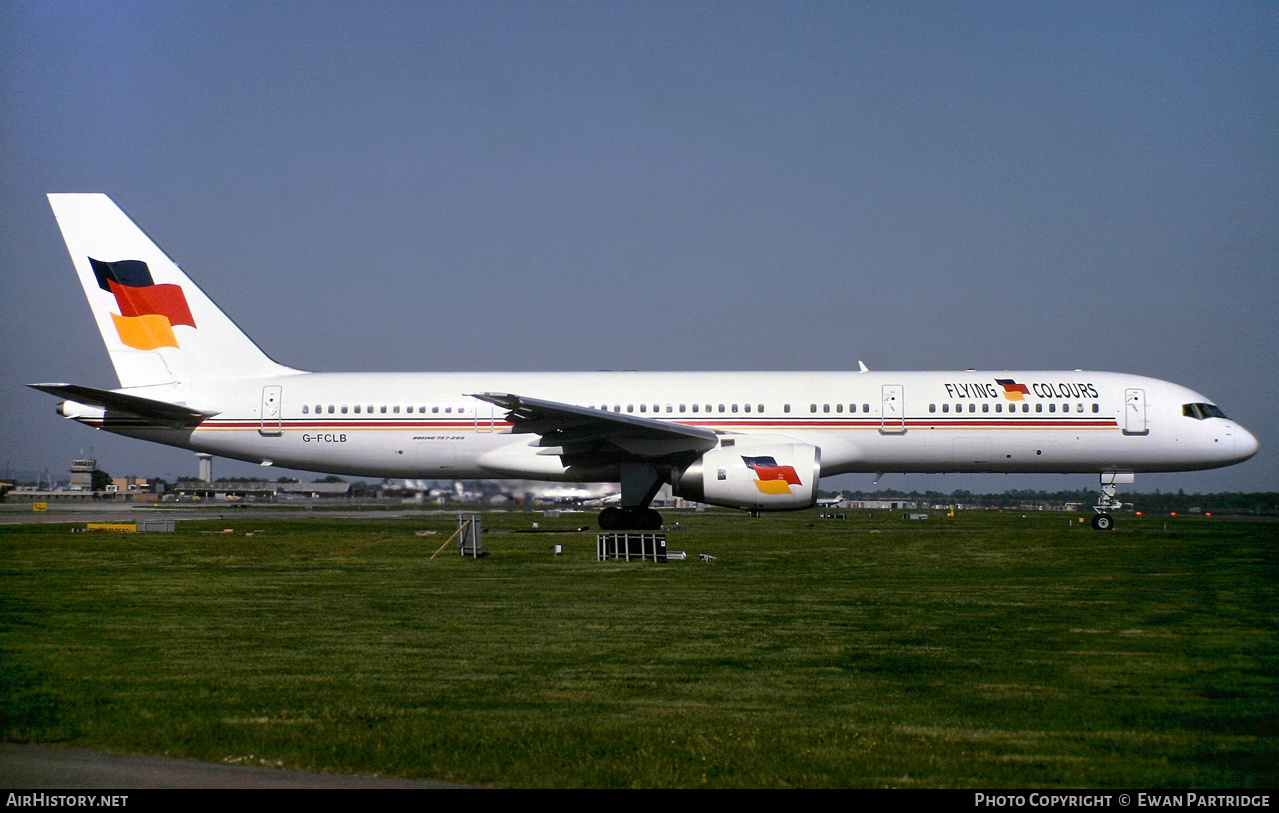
x,y
569,186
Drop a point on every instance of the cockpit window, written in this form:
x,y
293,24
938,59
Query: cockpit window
x,y
1201,411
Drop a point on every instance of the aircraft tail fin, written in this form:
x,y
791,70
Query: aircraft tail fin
x,y
159,327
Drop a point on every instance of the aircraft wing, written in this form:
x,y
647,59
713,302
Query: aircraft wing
x,y
161,412
584,435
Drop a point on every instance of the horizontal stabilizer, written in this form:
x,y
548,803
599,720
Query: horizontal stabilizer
x,y
161,412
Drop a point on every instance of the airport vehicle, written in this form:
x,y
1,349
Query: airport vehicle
x,y
189,377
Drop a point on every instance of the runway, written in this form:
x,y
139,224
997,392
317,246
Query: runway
x,y
45,767
22,514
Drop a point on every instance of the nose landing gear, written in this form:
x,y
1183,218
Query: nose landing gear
x,y
1108,502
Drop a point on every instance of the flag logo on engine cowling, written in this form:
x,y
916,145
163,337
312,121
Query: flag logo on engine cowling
x,y
148,312
771,478
1012,390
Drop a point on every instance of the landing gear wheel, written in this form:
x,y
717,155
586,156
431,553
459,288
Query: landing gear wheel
x,y
631,518
1103,522
648,520
612,519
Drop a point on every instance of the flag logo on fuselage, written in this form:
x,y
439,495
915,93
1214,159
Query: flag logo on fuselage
x,y
770,477
148,312
1012,390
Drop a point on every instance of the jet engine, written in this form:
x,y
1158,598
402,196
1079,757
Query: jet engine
x,y
761,476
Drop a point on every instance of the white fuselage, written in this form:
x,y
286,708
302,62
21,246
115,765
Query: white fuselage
x,y
428,425
760,441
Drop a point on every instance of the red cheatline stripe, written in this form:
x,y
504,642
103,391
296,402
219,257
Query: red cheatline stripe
x,y
910,423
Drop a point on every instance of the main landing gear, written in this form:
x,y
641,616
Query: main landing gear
x,y
1108,502
630,518
640,484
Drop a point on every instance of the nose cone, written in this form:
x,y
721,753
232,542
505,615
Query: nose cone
x,y
1245,444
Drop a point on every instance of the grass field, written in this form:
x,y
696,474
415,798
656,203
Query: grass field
x,y
984,650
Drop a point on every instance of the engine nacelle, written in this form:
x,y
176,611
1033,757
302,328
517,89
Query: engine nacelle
x,y
769,476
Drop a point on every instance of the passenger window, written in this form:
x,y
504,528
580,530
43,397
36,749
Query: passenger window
x,y
932,407
985,407
839,408
786,408
945,408
694,408
747,407
813,408
304,409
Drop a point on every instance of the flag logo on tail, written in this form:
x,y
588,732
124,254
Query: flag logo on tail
x,y
1012,390
148,312
770,477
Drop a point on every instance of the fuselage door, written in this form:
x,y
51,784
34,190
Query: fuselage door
x,y
1135,412
272,423
892,415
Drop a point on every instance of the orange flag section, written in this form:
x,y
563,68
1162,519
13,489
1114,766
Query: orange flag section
x,y
145,332
772,486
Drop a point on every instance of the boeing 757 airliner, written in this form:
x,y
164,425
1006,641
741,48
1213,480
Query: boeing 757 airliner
x,y
189,377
